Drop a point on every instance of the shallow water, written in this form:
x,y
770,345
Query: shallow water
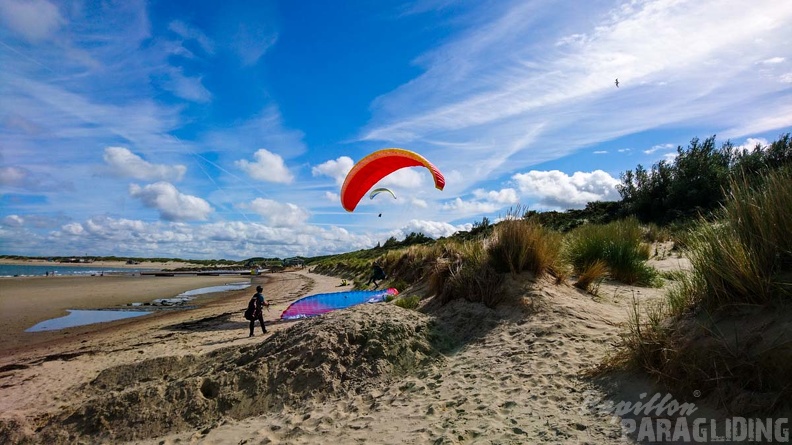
x,y
191,294
83,317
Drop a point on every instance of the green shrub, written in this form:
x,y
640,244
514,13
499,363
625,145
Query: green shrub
x,y
618,244
410,302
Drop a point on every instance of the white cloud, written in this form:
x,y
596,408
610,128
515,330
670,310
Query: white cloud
x,y
188,88
660,147
33,20
278,214
268,167
773,61
13,221
252,41
504,196
470,207
336,169
13,176
332,197
600,152
171,204
130,165
420,203
187,32
751,143
432,229
483,202
23,178
555,189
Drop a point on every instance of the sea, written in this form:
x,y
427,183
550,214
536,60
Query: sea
x,y
24,270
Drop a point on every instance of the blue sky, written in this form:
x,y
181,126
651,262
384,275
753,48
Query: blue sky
x,y
204,129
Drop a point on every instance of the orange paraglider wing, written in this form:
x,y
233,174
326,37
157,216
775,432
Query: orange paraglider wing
x,y
369,170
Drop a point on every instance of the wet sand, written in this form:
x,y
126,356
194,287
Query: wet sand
x,y
26,301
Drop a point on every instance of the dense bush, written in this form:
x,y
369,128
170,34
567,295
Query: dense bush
x,y
519,245
618,244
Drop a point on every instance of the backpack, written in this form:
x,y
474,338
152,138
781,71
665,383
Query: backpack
x,y
251,309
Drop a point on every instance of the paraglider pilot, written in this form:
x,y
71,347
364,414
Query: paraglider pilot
x,y
258,313
376,274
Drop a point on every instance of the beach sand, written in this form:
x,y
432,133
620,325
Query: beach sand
x,y
369,374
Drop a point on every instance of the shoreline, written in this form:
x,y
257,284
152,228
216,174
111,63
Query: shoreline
x,y
27,301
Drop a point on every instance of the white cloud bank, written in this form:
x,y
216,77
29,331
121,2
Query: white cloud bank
x,y
555,189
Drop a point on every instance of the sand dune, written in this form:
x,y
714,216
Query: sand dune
x,y
369,374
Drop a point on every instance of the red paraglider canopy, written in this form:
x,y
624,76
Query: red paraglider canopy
x,y
369,170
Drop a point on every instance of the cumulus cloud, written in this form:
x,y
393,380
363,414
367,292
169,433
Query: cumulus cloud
x,y
33,221
33,20
268,167
13,221
750,144
483,201
555,189
419,203
336,169
432,229
278,214
171,204
130,165
332,197
470,207
504,196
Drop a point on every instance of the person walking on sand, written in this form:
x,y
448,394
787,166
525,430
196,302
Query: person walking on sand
x,y
376,274
258,313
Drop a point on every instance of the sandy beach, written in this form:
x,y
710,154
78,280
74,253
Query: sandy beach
x,y
370,374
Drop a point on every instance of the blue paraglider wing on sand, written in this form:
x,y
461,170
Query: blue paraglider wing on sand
x,y
318,304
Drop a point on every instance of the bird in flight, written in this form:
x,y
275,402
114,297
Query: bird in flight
x,y
617,83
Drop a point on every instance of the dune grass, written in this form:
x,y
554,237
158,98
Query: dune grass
x,y
618,244
723,328
523,245
591,277
465,272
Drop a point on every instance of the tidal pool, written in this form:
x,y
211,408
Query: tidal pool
x,y
78,317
